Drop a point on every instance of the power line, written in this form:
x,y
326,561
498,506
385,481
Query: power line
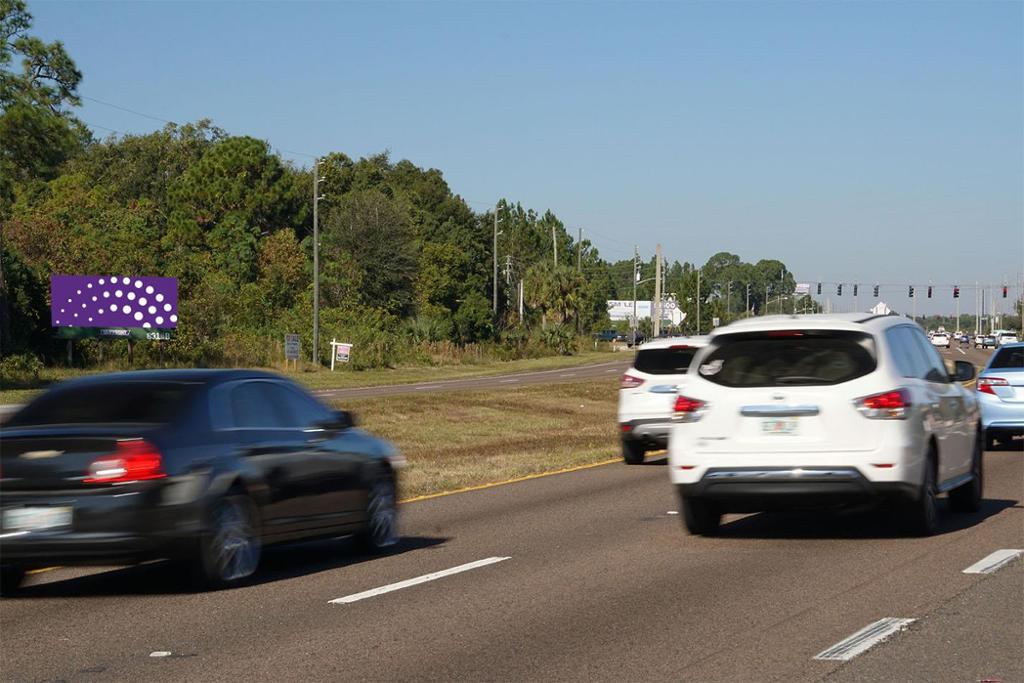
x,y
126,109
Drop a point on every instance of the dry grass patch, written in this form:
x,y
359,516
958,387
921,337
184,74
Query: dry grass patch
x,y
458,439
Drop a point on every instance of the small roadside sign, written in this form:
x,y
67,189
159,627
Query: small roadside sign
x,y
715,322
342,352
291,347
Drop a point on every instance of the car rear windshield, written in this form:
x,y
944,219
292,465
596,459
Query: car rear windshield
x,y
670,361
789,358
1009,358
107,403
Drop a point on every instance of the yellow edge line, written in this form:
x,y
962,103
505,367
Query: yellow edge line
x,y
40,571
491,485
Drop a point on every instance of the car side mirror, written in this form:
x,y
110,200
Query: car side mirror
x,y
344,419
962,371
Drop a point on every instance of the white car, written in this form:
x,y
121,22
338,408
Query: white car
x,y
647,392
1006,338
941,339
819,410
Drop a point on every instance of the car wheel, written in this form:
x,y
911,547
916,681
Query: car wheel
x,y
229,551
633,452
967,498
381,530
922,515
701,517
11,576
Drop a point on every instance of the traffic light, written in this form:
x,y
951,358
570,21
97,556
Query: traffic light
x,y
839,290
876,291
910,292
956,292
929,291
1004,291
855,290
819,289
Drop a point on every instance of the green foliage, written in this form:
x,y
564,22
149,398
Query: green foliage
x,y
19,370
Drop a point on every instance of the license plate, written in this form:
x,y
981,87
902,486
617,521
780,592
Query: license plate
x,y
784,426
36,518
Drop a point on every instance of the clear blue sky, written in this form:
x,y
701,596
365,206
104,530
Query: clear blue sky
x,y
856,141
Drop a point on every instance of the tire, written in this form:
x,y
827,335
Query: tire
x,y
922,514
11,576
701,517
633,452
381,532
967,498
229,551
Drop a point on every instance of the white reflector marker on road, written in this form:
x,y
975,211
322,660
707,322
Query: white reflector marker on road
x,y
864,639
356,597
996,560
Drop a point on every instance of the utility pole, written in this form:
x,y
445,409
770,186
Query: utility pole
x,y
698,301
728,300
520,301
316,262
495,259
554,244
636,278
579,252
656,305
747,311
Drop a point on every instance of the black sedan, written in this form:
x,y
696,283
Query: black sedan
x,y
202,467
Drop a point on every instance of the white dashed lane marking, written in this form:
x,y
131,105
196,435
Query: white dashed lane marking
x,y
864,639
994,561
355,597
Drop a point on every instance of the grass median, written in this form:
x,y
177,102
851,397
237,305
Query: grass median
x,y
343,378
454,440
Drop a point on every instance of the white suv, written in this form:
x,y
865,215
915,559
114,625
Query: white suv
x,y
819,410
940,339
647,392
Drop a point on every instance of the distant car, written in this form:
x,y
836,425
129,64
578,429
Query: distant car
x,y
1000,390
989,342
203,467
965,339
632,341
1006,338
821,410
979,339
940,339
606,335
647,392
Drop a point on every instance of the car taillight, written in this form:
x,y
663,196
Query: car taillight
x,y
135,460
890,405
985,384
688,409
629,381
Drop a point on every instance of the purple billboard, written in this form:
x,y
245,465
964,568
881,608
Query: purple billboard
x,y
113,301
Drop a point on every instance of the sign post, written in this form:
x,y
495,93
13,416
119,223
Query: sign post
x,y
340,352
291,349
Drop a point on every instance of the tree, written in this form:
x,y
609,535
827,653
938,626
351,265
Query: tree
x,y
374,231
36,133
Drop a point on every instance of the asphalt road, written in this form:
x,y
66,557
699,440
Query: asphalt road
x,y
589,577
561,375
579,576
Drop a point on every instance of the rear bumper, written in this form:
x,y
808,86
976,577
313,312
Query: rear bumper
x,y
81,549
752,489
123,526
652,432
999,414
